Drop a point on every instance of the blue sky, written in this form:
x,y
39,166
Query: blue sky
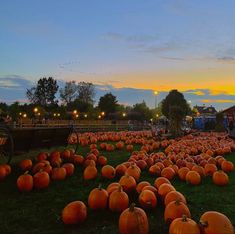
x,y
140,45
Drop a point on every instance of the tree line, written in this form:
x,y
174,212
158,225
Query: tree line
x,y
77,100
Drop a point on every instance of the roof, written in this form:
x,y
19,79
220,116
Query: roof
x,y
229,110
206,110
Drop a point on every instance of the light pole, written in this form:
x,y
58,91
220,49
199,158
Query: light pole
x,y
155,94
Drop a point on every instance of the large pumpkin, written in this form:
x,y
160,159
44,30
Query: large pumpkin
x,y
74,213
184,225
212,222
133,220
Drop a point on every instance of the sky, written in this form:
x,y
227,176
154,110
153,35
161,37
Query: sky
x,y
127,47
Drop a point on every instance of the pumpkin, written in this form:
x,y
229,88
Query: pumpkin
x,y
220,178
120,169
174,196
118,200
155,170
176,209
161,180
102,161
210,169
164,189
129,148
133,171
140,186
112,187
3,173
128,183
212,222
193,178
7,168
25,182
184,225
41,180
69,167
151,188
78,159
98,198
90,173
42,156
183,172
147,199
199,169
133,220
58,173
26,164
108,172
74,213
227,166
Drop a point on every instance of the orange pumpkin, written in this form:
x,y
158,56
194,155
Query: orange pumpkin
x,y
210,169
98,198
164,189
26,164
128,183
90,173
174,196
133,220
176,209
69,167
118,200
108,172
140,186
102,161
184,225
133,171
112,187
161,180
183,172
151,188
120,169
58,173
220,178
74,213
147,199
155,170
3,173
227,166
25,182
212,222
41,180
193,178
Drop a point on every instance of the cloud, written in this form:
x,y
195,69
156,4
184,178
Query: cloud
x,y
198,92
218,101
226,59
14,82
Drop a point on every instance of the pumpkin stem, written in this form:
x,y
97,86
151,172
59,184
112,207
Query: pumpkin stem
x,y
184,218
100,186
132,207
26,172
203,224
120,188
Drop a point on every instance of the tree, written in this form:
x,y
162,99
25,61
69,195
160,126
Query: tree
x,y
69,93
108,103
86,92
174,98
44,92
220,122
175,108
143,111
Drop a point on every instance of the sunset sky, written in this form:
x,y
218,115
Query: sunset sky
x,y
134,46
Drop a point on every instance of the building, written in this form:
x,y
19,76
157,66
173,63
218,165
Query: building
x,y
230,113
205,111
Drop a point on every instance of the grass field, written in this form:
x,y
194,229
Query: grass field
x,y
39,211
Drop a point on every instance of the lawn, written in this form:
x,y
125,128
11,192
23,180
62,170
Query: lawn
x,y
39,211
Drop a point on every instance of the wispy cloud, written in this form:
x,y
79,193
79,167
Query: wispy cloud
x,y
218,101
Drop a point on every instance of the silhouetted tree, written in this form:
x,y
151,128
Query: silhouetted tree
x,y
108,103
44,92
86,92
69,93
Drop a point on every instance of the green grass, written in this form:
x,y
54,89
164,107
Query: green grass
x,y
39,211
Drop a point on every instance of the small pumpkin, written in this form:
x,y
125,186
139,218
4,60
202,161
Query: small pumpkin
x,y
108,172
90,173
25,182
176,209
118,200
174,196
220,178
98,198
41,180
74,213
147,199
128,183
193,178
